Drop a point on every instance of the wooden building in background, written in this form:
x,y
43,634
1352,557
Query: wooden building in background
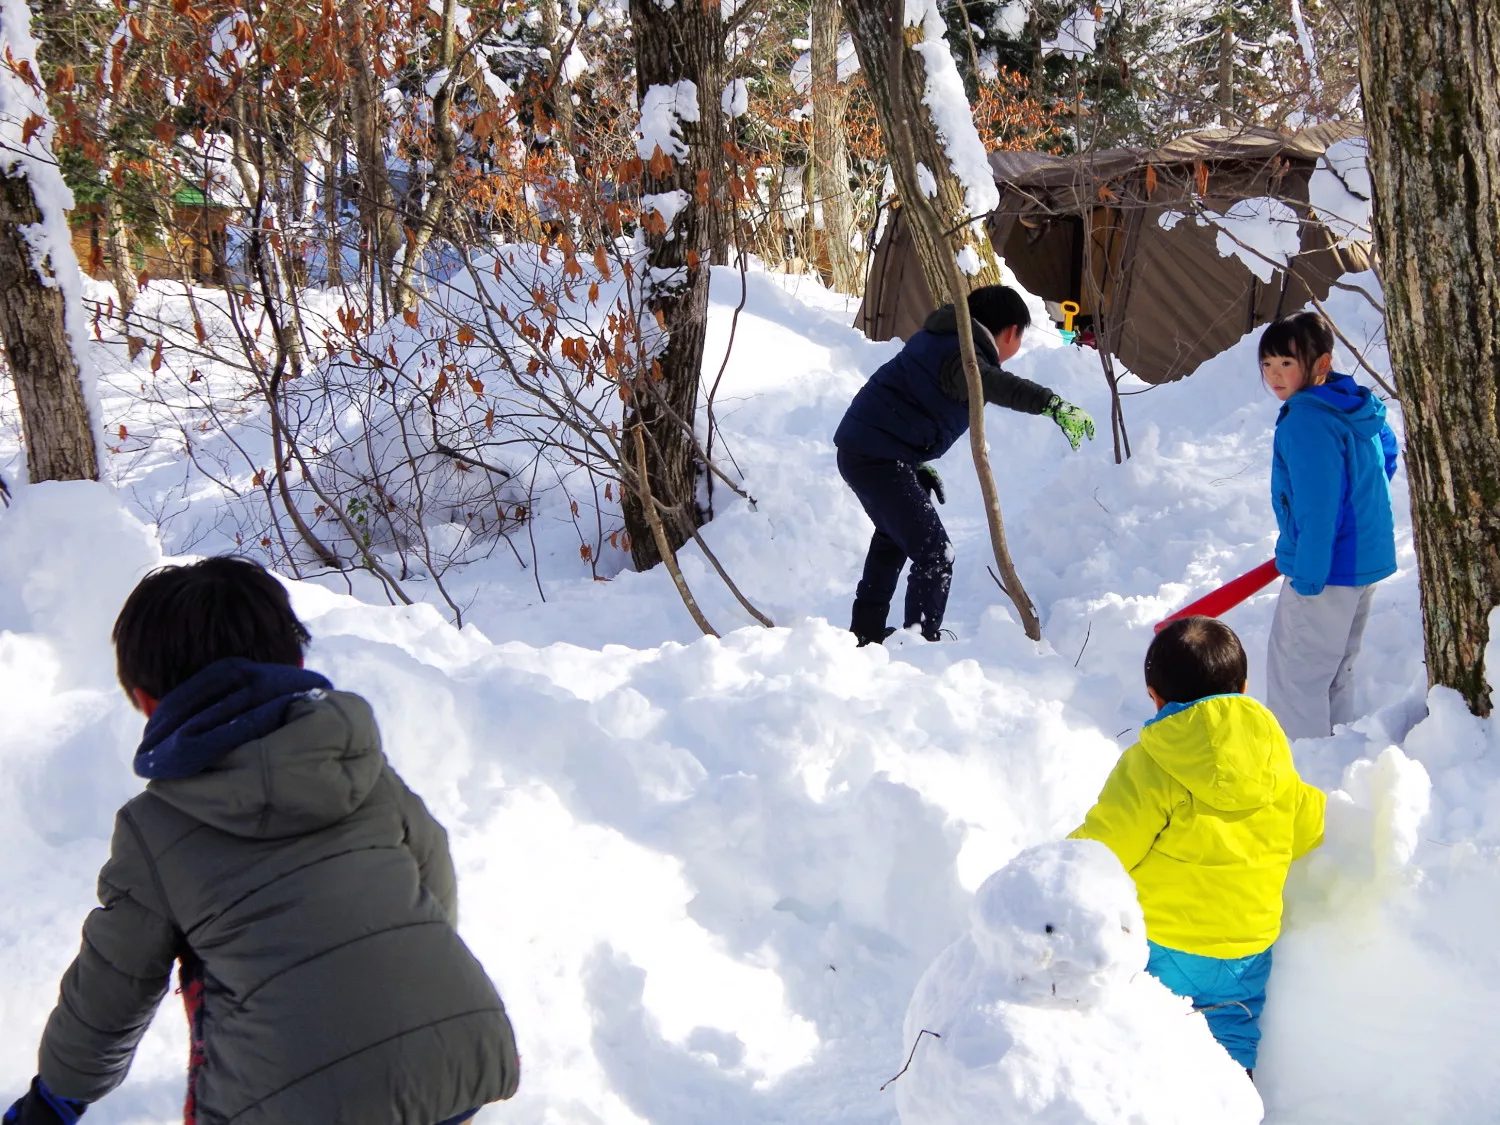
x,y
193,250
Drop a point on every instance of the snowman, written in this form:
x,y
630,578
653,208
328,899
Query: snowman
x,y
1044,1012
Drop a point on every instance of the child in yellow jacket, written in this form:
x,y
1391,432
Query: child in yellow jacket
x,y
1207,813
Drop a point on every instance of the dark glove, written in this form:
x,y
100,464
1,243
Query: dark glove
x,y
931,483
41,1106
1072,420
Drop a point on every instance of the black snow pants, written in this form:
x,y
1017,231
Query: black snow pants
x,y
906,528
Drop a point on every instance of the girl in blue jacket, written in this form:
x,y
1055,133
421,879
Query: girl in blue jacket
x,y
1330,472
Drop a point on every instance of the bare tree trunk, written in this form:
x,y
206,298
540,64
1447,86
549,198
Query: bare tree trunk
x,y
830,149
1225,92
719,209
122,273
674,45
297,149
379,221
559,42
55,421
1428,71
440,179
333,272
117,251
896,76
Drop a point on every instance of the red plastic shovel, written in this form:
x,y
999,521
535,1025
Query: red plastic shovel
x,y
1227,596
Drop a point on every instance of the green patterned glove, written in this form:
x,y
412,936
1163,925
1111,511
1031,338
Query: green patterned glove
x,y
1073,421
931,483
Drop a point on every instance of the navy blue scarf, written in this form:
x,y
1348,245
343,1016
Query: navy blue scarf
x,y
227,704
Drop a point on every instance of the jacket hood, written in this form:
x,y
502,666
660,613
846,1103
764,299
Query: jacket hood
x,y
1341,395
1228,751
261,751
944,322
229,702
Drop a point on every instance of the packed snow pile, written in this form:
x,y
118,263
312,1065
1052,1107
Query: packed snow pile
x,y
1028,1011
1374,823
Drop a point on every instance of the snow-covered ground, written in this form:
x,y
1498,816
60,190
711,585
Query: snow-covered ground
x,y
707,875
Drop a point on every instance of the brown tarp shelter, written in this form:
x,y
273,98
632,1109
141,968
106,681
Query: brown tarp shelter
x,y
1086,228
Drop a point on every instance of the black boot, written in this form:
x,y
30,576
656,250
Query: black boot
x,y
932,631
867,622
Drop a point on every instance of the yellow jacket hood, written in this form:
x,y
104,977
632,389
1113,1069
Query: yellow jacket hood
x,y
1228,751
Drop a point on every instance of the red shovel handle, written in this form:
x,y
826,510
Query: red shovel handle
x,y
1227,596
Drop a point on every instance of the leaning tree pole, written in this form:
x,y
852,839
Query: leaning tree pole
x,y
942,175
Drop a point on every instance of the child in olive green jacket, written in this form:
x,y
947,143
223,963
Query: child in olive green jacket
x,y
306,893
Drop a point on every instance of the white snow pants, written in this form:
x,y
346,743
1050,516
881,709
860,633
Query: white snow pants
x,y
1310,662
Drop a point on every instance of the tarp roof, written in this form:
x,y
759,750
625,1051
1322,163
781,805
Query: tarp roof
x,y
1212,145
1084,227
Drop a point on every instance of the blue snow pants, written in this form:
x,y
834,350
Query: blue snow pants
x,y
906,527
1230,992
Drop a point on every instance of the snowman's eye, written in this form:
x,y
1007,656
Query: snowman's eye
x,y
1049,927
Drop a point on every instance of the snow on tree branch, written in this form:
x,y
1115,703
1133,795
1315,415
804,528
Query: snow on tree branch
x,y
1340,190
926,180
1305,42
232,46
1077,35
848,65
667,204
954,120
663,109
735,100
1009,20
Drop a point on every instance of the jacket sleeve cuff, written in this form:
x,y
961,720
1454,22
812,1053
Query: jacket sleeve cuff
x,y
41,1106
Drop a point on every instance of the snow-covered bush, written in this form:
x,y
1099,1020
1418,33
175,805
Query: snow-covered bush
x,y
456,423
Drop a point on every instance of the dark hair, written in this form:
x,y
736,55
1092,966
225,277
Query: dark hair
x,y
1302,336
1194,657
180,619
999,307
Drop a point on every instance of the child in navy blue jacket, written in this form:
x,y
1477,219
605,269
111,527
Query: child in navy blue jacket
x,y
910,412
1334,457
